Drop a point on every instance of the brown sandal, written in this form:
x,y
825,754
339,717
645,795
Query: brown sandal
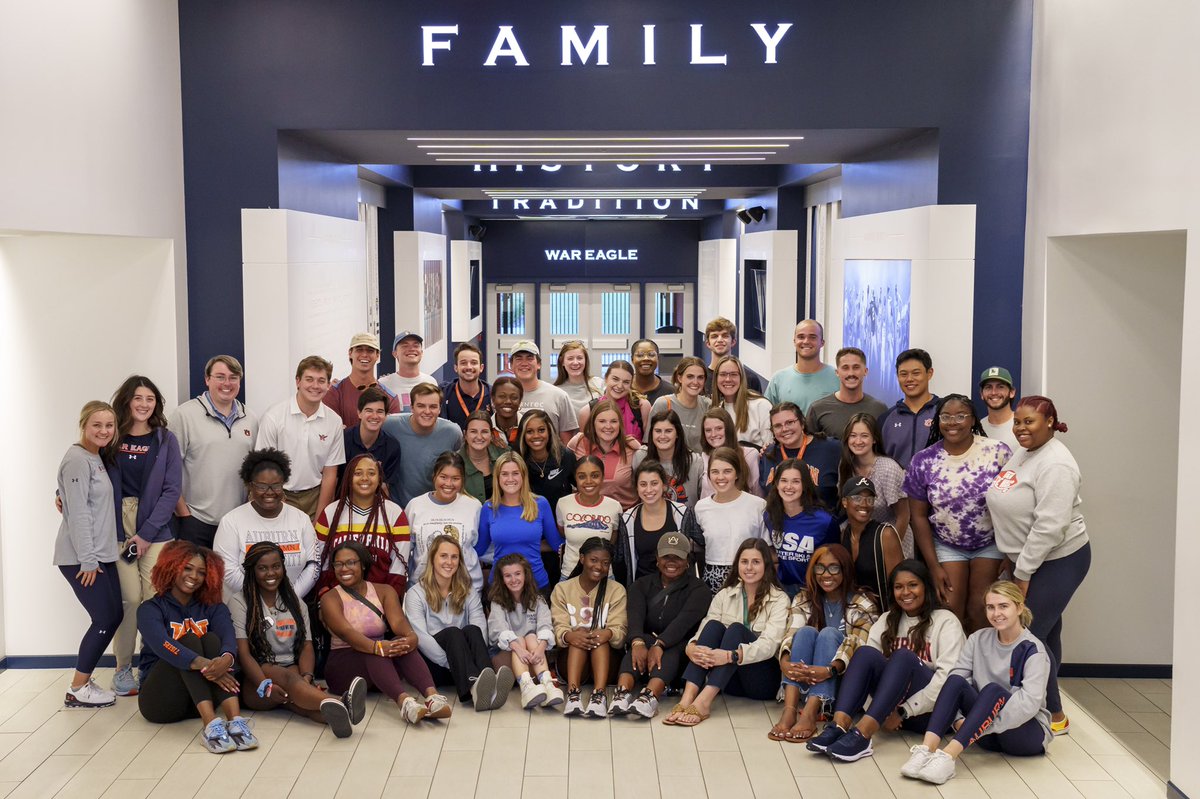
x,y
692,710
782,735
674,710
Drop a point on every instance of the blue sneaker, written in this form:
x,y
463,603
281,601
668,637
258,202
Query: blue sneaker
x,y
239,731
828,735
850,747
216,738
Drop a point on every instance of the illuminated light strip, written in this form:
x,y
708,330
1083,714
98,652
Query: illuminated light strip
x,y
573,195
606,146
628,159
605,138
596,155
560,217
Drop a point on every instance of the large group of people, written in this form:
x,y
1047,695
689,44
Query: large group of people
x,y
870,567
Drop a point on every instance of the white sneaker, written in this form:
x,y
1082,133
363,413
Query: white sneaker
x,y
438,706
939,768
554,694
916,761
89,695
597,706
483,690
413,711
532,695
504,686
574,705
646,705
621,702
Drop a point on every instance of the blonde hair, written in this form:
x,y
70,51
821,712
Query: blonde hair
x,y
91,409
529,508
460,583
1011,592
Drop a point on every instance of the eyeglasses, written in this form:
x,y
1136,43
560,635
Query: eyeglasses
x,y
832,568
782,425
957,418
861,501
346,564
267,488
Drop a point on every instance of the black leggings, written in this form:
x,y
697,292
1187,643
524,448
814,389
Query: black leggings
x,y
169,694
467,654
979,709
752,680
102,601
670,670
1050,589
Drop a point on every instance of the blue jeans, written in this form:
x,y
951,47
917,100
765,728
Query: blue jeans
x,y
816,649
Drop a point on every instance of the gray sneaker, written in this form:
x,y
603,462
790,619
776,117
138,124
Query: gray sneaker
x,y
216,738
125,682
337,716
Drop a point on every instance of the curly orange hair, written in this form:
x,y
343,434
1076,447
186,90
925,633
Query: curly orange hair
x,y
171,562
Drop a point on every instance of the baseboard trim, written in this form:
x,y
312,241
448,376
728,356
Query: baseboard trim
x,y
50,662
1129,671
1173,791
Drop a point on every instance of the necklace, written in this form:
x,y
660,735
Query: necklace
x,y
541,466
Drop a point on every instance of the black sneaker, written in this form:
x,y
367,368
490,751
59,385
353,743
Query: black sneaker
x,y
823,741
355,700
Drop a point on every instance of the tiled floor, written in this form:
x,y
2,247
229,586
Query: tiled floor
x,y
47,751
1135,712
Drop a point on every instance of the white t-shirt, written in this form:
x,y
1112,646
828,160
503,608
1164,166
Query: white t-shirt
x,y
402,386
292,530
580,522
1001,432
727,524
555,402
758,414
312,442
460,518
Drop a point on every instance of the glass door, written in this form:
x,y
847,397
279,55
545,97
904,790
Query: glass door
x,y
670,320
511,310
604,316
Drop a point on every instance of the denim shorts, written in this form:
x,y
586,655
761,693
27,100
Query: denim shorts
x,y
952,554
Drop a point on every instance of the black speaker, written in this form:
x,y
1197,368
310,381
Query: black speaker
x,y
744,216
757,212
477,232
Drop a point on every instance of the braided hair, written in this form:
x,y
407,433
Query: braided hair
x,y
591,545
375,514
256,616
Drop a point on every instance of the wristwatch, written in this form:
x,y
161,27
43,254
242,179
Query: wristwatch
x,y
902,713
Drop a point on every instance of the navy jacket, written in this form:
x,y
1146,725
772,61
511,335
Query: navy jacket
x,y
162,621
162,483
905,433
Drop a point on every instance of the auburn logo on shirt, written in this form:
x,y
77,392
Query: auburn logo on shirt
x,y
1004,481
189,625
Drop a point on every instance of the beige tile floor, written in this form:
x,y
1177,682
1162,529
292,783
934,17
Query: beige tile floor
x,y
1117,744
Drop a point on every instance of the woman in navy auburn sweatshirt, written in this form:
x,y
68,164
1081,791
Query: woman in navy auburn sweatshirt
x,y
189,649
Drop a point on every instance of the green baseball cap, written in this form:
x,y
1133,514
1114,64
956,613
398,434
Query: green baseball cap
x,y
996,373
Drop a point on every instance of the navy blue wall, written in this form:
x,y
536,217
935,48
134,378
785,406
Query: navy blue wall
x,y
251,68
904,175
314,180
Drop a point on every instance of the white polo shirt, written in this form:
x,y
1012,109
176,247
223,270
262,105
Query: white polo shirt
x,y
312,442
